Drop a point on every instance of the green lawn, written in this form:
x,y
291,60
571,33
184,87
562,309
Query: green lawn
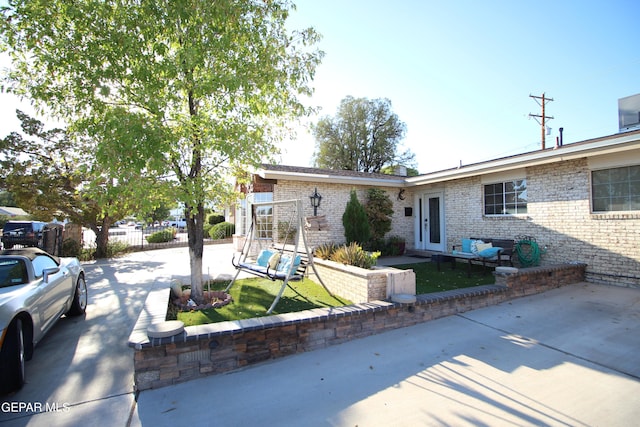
x,y
429,279
252,297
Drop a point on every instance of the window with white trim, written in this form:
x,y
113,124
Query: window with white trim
x,y
506,198
615,189
264,215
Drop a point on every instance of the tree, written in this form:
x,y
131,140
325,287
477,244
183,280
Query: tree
x,y
364,136
354,220
58,177
7,199
193,90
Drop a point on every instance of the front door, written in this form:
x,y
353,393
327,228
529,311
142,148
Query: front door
x,y
430,227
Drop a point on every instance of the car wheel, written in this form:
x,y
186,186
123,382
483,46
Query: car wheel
x,y
79,304
12,370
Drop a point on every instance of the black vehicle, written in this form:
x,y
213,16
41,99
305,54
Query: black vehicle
x,y
25,233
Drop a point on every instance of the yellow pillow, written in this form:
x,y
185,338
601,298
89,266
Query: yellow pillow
x,y
482,246
274,260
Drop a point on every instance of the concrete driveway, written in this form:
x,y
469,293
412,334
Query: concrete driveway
x,y
565,357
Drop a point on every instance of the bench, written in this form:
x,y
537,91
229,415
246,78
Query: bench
x,y
500,252
279,269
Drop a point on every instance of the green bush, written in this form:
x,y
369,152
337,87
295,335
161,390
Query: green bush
x,y
71,248
353,254
355,221
214,219
222,230
114,248
162,236
379,209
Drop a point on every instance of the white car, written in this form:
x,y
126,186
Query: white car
x,y
36,289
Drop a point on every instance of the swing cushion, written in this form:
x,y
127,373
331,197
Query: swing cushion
x,y
285,263
263,257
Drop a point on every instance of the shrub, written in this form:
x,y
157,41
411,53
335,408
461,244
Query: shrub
x,y
325,251
222,230
71,248
353,254
379,209
162,236
355,221
214,219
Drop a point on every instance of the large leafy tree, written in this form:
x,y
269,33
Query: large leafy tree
x,y
193,89
364,136
55,176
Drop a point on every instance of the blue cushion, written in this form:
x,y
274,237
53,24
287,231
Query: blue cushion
x,y
489,252
285,263
263,257
466,245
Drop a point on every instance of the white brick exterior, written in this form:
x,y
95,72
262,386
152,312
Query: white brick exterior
x,y
558,213
333,205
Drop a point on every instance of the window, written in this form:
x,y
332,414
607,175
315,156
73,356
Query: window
x,y
506,198
12,272
264,215
41,263
616,189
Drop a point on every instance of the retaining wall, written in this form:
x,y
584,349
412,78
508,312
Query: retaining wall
x,y
225,346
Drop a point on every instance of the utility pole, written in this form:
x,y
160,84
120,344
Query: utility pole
x,y
542,101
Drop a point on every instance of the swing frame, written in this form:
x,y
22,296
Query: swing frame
x,y
274,274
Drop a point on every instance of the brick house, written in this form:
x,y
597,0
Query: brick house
x,y
580,201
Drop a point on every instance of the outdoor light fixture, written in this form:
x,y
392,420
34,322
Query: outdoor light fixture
x,y
315,201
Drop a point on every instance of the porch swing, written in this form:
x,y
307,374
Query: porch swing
x,y
276,263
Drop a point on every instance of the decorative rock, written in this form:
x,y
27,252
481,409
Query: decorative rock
x,y
403,298
165,329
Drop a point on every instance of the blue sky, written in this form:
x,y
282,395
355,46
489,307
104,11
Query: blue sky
x,y
459,72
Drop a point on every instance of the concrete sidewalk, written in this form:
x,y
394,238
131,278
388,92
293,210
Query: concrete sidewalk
x,y
566,357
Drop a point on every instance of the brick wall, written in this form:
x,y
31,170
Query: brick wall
x,y
333,205
559,217
225,346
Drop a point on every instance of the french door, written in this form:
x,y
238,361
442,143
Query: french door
x,y
430,227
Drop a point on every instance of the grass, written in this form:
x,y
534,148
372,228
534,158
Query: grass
x,y
253,297
429,279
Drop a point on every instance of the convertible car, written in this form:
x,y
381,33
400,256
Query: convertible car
x,y
36,289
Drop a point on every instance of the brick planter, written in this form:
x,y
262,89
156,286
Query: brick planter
x,y
362,285
221,347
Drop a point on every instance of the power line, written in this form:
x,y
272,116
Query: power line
x,y
541,118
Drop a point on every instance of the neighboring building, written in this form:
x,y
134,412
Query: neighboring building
x,y
12,212
580,201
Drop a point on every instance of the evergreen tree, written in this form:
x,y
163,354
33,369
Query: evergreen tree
x,y
355,221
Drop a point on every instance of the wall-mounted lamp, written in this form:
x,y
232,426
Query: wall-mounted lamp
x,y
315,201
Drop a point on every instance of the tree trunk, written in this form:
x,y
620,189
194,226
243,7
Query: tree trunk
x,y
195,233
102,237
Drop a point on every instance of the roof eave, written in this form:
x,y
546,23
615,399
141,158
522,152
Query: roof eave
x,y
601,146
332,179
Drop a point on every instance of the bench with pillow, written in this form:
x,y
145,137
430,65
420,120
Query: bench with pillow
x,y
484,250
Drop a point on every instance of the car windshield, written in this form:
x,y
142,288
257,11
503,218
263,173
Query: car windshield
x,y
12,272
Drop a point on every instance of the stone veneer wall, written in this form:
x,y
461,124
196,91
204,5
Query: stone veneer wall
x,y
221,347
